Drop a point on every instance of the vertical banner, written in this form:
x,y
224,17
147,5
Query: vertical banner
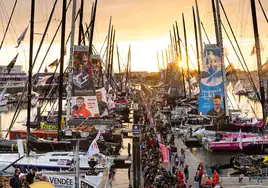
x,y
210,100
84,99
165,154
96,68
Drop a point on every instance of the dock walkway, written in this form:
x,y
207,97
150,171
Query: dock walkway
x,y
226,182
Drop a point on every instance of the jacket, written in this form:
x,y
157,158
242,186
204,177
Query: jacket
x,y
80,113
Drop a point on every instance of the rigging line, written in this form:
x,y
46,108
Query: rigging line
x,y
254,87
263,11
44,35
205,33
247,73
6,17
24,90
11,15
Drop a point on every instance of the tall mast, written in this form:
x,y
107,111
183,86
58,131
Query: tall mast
x,y
175,44
222,58
179,43
62,46
199,29
216,24
108,46
30,73
92,29
80,32
71,65
187,57
112,56
119,68
196,45
127,71
258,55
110,51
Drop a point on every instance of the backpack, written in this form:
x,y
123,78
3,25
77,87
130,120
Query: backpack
x,y
196,178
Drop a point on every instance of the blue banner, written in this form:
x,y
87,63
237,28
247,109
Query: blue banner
x,y
210,100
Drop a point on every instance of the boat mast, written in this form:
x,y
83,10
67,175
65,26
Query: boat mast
x,y
222,58
178,37
112,56
30,74
119,67
199,29
92,29
258,55
127,71
196,45
216,24
109,55
187,57
71,64
80,31
107,48
175,44
9,21
62,46
158,64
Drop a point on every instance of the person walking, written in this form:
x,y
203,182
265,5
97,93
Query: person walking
x,y
182,159
215,177
186,173
259,178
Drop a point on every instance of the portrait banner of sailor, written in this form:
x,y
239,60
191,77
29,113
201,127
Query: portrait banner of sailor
x,y
210,100
85,107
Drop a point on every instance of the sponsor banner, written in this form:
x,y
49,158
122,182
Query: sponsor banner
x,y
82,73
136,129
60,181
165,154
85,107
102,102
97,72
210,100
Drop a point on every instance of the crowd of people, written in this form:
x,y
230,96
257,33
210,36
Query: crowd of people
x,y
21,180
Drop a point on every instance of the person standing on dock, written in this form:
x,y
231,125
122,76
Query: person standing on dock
x,y
186,173
15,180
182,159
259,178
128,149
215,177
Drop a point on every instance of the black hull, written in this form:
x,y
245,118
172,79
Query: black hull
x,y
254,149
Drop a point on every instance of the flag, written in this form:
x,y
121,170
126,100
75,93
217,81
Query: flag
x,y
54,64
12,63
42,80
253,51
2,95
94,148
21,37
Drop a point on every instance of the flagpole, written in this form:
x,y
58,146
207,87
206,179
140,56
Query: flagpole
x,y
70,75
30,74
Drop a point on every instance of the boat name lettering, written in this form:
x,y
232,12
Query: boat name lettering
x,y
61,181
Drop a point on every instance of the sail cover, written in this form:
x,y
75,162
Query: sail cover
x,y
210,100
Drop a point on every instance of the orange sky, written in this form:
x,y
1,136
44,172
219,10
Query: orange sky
x,y
143,24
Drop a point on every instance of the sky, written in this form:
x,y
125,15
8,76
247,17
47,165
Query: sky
x,y
142,24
